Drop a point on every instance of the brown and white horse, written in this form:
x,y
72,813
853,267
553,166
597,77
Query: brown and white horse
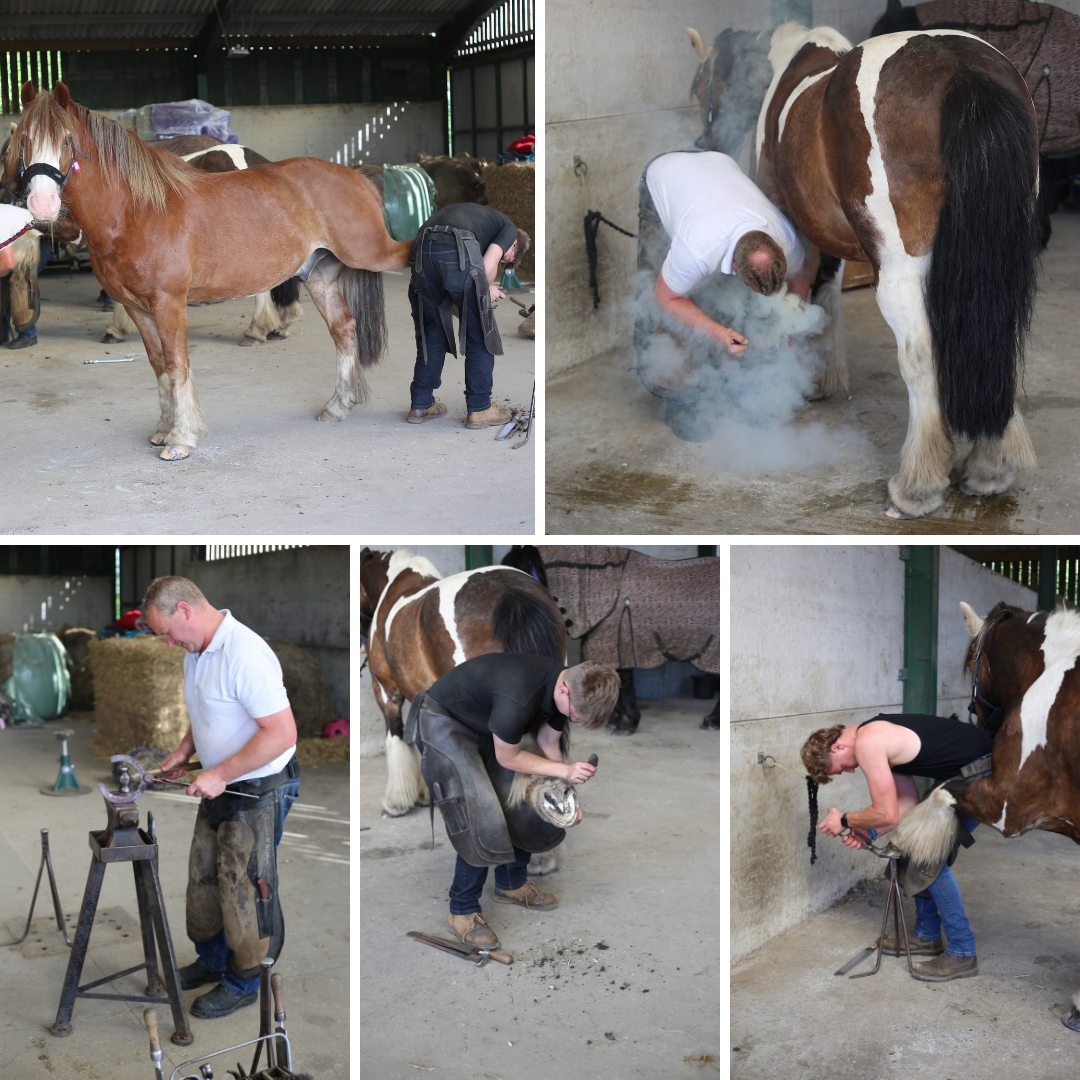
x,y
918,153
162,234
422,624
276,309
1026,666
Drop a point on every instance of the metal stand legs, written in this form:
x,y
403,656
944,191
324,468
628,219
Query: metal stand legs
x,y
898,920
46,860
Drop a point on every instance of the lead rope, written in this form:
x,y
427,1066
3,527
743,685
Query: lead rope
x,y
811,794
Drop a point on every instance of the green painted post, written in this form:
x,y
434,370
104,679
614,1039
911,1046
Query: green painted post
x,y
920,634
477,555
1048,559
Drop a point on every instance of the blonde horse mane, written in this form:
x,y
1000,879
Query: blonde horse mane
x,y
148,172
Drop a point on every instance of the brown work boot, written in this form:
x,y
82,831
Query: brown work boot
x,y
492,416
919,946
472,930
945,967
422,416
527,896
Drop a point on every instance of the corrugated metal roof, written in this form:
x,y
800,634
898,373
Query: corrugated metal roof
x,y
146,20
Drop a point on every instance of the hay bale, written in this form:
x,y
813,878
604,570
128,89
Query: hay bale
x,y
138,694
309,696
457,179
7,657
312,752
511,189
76,639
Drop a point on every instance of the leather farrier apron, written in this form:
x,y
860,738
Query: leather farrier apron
x,y
432,287
470,788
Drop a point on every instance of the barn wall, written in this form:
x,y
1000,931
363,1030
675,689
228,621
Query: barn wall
x,y
817,638
81,600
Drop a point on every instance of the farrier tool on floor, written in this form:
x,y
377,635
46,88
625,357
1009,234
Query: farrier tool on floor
x,y
520,423
898,915
466,952
276,1042
123,841
46,860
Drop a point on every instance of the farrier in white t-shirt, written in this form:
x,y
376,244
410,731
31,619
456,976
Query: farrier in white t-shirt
x,y
705,203
236,678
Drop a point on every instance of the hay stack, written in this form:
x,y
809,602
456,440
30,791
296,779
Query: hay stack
x,y
76,640
457,179
138,694
312,752
511,189
309,696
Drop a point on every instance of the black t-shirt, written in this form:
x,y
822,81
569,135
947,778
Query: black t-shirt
x,y
488,225
502,693
947,745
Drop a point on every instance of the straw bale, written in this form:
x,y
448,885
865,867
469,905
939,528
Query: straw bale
x,y
138,694
312,752
76,639
7,657
511,189
309,696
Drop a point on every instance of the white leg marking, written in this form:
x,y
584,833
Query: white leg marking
x,y
403,777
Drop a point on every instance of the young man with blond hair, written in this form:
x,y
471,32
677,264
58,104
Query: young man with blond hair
x,y
892,749
243,731
474,727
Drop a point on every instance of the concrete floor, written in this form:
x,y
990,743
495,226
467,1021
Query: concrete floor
x,y
109,1041
621,980
791,1017
613,466
76,457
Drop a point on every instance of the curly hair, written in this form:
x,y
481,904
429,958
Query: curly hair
x,y
816,752
767,279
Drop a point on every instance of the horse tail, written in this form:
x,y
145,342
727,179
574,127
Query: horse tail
x,y
928,832
528,623
363,294
980,289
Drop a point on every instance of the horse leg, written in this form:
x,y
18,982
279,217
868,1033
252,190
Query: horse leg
x,y
323,287
265,322
120,326
926,456
182,422
404,785
827,292
990,467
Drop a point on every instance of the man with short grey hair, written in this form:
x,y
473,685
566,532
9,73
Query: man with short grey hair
x,y
243,730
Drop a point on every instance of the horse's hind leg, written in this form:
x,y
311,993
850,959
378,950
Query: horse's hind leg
x,y
351,387
990,467
120,326
926,456
828,293
404,785
264,322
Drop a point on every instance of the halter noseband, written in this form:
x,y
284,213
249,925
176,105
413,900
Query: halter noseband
x,y
995,713
24,175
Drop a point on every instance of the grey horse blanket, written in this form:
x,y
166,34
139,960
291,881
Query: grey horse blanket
x,y
631,610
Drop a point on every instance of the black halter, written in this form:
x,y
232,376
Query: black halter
x,y
994,713
24,175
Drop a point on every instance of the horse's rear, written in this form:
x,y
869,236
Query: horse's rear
x,y
918,152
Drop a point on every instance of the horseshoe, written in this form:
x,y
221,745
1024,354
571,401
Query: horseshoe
x,y
122,798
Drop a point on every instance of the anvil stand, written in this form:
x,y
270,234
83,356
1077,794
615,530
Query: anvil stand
x,y
898,917
123,841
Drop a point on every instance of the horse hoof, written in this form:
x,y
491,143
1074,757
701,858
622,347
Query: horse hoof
x,y
327,417
1071,1019
278,335
893,511
159,439
174,452
109,339
250,341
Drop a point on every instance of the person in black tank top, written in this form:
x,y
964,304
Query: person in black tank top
x,y
890,749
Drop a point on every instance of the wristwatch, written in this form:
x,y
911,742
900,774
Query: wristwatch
x,y
843,821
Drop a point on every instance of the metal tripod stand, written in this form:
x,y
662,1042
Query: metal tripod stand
x,y
46,861
899,919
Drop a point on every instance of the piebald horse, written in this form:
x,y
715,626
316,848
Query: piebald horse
x,y
918,153
162,234
420,625
1025,664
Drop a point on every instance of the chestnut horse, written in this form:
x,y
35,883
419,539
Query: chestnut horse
x,y
422,624
162,235
1024,664
918,153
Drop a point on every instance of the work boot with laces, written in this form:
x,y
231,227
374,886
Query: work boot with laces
x,y
472,930
527,896
492,416
945,967
919,946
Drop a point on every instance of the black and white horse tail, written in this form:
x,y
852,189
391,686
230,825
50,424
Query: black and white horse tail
x,y
980,289
827,292
527,623
363,294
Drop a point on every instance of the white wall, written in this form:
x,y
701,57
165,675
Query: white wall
x,y
77,599
817,638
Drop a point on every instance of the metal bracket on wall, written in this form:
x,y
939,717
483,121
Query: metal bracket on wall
x,y
902,675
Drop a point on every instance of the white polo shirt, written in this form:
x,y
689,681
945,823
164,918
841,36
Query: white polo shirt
x,y
236,678
705,203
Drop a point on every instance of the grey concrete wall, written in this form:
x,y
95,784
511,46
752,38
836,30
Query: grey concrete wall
x,y
301,595
817,638
30,604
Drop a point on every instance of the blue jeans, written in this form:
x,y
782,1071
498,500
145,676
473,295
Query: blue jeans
x,y
945,909
469,881
213,955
